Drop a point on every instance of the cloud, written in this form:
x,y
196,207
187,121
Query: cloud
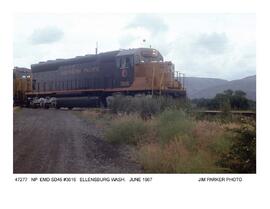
x,y
213,55
215,43
209,45
127,39
151,28
152,23
47,35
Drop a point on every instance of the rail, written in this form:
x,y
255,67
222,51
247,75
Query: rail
x,y
237,112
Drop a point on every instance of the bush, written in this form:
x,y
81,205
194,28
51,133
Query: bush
x,y
144,105
118,103
241,158
129,129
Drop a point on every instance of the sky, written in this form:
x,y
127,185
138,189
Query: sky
x,y
201,45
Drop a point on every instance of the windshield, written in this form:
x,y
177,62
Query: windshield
x,y
151,55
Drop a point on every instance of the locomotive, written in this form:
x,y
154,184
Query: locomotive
x,y
89,80
22,83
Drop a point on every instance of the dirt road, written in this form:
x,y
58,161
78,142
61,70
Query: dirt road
x,y
60,141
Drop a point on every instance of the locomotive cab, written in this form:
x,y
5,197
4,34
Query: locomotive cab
x,y
127,60
152,74
125,66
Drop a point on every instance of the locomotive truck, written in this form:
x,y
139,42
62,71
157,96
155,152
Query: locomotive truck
x,y
89,80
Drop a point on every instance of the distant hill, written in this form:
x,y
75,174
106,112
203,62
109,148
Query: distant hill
x,y
209,87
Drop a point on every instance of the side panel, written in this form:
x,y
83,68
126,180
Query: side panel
x,y
106,72
108,76
93,75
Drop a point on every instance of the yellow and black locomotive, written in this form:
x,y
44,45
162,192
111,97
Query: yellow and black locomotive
x,y
81,80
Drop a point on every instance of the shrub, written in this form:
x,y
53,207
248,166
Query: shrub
x,y
170,103
241,158
144,105
118,103
128,129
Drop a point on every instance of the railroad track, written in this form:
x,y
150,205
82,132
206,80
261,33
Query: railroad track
x,y
235,112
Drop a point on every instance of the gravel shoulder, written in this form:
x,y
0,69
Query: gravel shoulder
x,y
60,141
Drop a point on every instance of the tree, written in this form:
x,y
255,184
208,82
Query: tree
x,y
240,93
239,100
226,101
228,92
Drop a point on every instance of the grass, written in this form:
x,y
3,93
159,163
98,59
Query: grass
x,y
194,148
175,157
100,117
173,123
129,129
173,141
16,109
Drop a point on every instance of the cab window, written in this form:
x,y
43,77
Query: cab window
x,y
123,62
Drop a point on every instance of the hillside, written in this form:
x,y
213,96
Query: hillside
x,y
209,87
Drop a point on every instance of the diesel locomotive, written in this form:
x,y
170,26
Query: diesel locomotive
x,y
91,79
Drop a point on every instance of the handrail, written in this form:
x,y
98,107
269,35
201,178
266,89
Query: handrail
x,y
161,81
153,76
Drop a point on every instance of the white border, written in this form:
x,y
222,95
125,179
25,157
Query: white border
x,y
166,190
